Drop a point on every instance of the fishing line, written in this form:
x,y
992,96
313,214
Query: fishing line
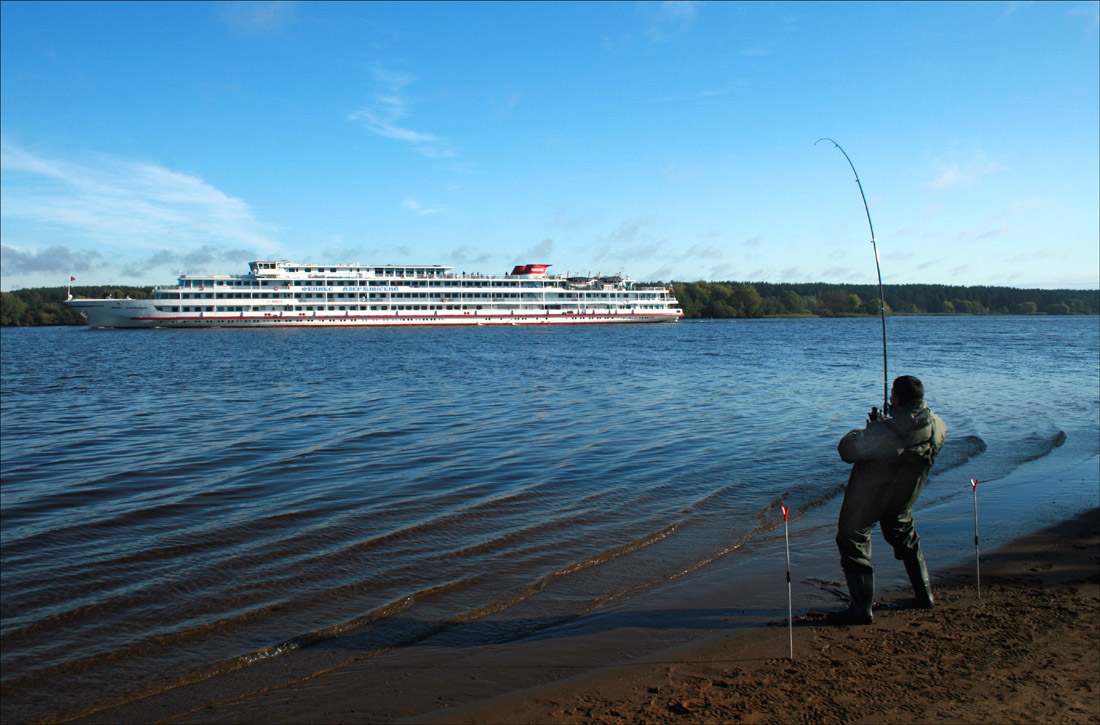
x,y
878,269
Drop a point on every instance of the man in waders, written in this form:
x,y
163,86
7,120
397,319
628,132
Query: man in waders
x,y
891,457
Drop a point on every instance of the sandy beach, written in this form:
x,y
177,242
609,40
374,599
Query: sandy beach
x,y
1025,652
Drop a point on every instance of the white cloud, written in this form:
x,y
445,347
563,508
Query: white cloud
x,y
1019,208
256,18
388,110
668,18
1011,8
682,173
416,207
968,174
973,233
384,127
1089,12
124,203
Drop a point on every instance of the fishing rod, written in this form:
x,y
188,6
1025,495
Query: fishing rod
x,y
878,269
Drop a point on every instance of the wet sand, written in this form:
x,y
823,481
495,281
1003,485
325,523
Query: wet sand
x,y
1026,652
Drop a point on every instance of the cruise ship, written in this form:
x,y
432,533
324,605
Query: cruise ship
x,y
287,294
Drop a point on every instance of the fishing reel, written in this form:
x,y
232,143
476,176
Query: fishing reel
x,y
877,414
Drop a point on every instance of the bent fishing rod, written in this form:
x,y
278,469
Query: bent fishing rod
x,y
878,269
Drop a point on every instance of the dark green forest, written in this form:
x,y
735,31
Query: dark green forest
x,y
710,300
821,299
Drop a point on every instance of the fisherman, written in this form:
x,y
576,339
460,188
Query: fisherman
x,y
891,457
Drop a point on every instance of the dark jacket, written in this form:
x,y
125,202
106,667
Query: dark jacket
x,y
912,432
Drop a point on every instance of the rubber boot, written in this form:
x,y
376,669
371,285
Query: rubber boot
x,y
918,577
861,587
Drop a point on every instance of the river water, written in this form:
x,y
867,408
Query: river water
x,y
177,505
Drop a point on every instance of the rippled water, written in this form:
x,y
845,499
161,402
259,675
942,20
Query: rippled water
x,y
179,504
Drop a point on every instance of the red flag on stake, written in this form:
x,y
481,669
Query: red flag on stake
x,y
787,543
977,559
72,278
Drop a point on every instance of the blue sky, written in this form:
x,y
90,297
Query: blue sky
x,y
667,140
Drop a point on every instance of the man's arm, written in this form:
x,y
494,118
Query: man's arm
x,y
875,442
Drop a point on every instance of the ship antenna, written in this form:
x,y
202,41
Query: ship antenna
x,y
878,269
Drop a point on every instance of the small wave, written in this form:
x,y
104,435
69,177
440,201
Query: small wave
x,y
614,553
957,452
384,612
1044,446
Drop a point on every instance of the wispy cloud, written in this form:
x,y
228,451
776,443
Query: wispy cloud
x,y
1089,12
417,208
390,107
668,18
256,18
538,254
629,242
967,174
124,202
706,94
203,259
628,231
974,233
466,255
1011,8
683,173
720,271
574,219
1019,208
839,273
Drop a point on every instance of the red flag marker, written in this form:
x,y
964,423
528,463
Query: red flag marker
x,y
977,560
787,542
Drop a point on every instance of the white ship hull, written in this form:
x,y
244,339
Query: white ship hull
x,y
282,294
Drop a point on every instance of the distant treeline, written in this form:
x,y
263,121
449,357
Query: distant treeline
x,y
43,306
820,299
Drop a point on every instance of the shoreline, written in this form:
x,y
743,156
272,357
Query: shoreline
x,y
1024,652
702,665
